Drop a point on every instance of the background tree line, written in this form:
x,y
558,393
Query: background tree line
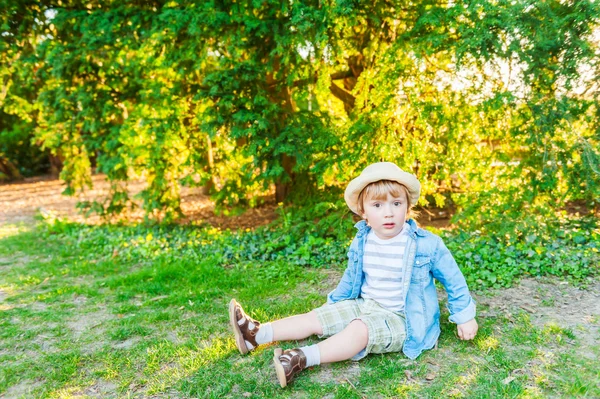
x,y
492,104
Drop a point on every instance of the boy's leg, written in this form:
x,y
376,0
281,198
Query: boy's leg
x,y
296,327
249,333
345,344
341,346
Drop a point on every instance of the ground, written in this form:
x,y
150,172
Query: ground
x,y
550,301
21,201
546,301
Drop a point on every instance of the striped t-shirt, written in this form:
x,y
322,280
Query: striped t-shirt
x,y
383,269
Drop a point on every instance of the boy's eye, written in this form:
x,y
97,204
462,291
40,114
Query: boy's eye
x,y
397,203
377,205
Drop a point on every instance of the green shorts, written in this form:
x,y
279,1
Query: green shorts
x,y
387,330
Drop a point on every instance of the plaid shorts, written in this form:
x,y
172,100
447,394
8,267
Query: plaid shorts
x,y
387,330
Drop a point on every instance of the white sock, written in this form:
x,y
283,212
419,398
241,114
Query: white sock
x,y
313,355
263,336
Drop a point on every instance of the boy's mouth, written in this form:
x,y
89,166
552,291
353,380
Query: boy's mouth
x,y
389,225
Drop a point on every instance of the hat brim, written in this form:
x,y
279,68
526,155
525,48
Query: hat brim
x,y
356,186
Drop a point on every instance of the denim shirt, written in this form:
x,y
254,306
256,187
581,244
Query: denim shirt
x,y
426,258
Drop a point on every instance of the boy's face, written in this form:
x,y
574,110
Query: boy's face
x,y
386,216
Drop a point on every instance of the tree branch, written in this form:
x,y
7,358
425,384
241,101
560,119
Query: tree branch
x,y
347,98
341,75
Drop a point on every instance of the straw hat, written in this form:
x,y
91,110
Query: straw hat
x,y
381,171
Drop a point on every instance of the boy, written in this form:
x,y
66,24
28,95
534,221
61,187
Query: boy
x,y
386,300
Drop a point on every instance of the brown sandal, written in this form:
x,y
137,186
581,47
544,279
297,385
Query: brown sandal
x,y
288,364
240,324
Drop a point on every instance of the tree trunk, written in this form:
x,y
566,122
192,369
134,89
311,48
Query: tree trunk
x,y
56,164
210,183
283,96
283,189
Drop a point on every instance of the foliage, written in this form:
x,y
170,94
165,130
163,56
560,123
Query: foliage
x,y
26,158
494,257
244,98
19,154
534,245
279,242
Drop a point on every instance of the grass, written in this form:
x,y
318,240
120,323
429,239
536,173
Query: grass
x,y
84,315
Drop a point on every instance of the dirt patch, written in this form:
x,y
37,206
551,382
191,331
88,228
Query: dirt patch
x,y
79,300
127,344
548,302
173,337
23,389
331,280
101,389
324,373
39,306
20,202
46,341
14,261
171,394
85,323
434,217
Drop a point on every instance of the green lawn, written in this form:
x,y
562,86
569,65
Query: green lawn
x,y
121,312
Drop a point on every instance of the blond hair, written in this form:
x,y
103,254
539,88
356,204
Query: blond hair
x,y
379,190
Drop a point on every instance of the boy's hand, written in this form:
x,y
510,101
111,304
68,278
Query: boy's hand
x,y
468,330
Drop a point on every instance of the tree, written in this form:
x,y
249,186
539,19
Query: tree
x,y
23,26
496,98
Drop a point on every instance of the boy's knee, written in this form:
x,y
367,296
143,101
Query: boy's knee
x,y
360,329
316,324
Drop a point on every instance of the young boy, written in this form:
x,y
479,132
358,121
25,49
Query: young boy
x,y
386,300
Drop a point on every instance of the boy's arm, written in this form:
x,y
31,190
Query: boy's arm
x,y
344,287
467,330
460,303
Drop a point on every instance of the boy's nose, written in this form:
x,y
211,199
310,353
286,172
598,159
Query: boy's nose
x,y
389,211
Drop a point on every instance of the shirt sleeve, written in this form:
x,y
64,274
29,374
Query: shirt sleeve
x,y
460,302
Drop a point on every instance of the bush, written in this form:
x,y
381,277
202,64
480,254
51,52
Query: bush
x,y
319,236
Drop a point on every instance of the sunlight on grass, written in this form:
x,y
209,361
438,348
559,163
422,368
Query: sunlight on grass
x,y
454,393
7,291
29,280
487,344
540,379
543,362
215,350
404,390
557,332
546,358
524,320
457,387
531,393
467,380
167,365
8,230
68,393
